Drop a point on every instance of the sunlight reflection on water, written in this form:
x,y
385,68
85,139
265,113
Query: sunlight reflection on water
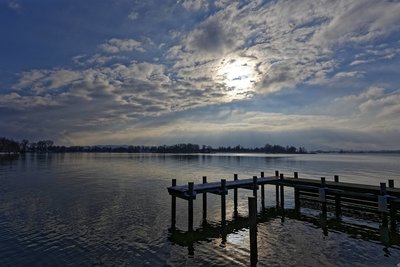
x,y
114,209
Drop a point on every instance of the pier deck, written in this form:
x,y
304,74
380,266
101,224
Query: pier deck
x,y
182,191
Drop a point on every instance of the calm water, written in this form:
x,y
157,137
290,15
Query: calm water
x,y
114,209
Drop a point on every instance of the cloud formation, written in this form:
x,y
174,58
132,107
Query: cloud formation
x,y
115,45
340,55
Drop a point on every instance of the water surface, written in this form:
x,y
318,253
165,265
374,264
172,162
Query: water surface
x,y
114,209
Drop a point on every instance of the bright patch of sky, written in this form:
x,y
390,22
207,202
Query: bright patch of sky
x,y
319,74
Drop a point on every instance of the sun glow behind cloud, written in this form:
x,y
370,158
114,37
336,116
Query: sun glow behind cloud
x,y
239,76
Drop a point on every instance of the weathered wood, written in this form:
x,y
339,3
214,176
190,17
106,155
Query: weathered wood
x,y
255,186
235,195
262,192
173,207
190,207
322,196
323,182
382,204
336,178
359,188
204,199
223,201
393,215
338,209
253,230
277,190
282,192
214,187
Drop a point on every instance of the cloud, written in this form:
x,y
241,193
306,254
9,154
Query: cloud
x,y
235,53
293,43
359,21
115,45
195,5
133,15
13,4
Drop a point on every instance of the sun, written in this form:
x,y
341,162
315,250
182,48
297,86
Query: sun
x,y
238,76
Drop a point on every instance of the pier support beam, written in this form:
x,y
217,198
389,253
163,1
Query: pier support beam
x,y
338,207
296,194
393,209
253,230
190,207
262,193
255,186
173,207
235,196
223,201
383,205
322,196
282,193
277,190
204,200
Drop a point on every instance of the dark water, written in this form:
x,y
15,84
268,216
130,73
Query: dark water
x,y
114,209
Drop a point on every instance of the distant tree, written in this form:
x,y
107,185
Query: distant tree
x,y
9,146
24,145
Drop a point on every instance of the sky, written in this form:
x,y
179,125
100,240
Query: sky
x,y
318,74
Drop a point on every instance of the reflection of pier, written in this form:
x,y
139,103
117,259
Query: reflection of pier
x,y
237,223
357,197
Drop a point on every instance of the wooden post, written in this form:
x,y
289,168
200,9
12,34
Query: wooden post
x,y
255,186
262,193
235,195
204,200
393,214
173,207
253,230
277,190
382,205
393,209
190,206
338,205
296,194
383,189
336,177
282,193
322,195
223,200
323,182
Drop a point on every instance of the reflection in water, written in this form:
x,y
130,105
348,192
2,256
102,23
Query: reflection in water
x,y
209,231
113,209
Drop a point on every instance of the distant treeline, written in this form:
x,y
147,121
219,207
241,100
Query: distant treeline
x,y
43,146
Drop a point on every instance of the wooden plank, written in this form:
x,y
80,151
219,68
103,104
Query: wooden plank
x,y
337,188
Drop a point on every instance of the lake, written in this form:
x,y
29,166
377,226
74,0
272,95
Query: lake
x,y
86,209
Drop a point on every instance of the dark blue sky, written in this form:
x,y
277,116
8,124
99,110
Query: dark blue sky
x,y
306,73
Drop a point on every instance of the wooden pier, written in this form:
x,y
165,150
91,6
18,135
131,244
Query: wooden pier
x,y
379,199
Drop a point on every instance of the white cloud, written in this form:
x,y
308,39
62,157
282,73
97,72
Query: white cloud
x,y
292,42
195,5
115,45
